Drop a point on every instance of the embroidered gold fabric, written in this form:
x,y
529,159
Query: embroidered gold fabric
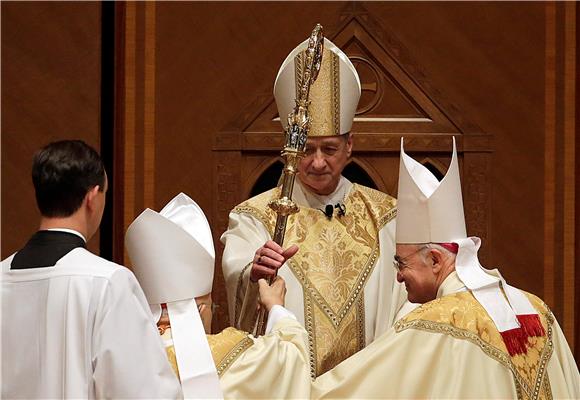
x,y
324,109
336,258
170,351
227,346
461,316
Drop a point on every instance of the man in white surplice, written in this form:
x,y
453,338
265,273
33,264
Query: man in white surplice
x,y
341,285
73,324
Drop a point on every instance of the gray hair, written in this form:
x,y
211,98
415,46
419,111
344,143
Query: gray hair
x,y
447,253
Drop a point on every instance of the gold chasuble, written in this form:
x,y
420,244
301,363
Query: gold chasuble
x,y
273,366
460,315
335,259
449,348
227,346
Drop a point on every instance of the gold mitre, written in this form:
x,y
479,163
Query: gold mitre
x,y
334,95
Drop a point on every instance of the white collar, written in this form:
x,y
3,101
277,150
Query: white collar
x,y
69,231
451,284
304,197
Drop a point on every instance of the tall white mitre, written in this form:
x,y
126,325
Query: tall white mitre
x,y
431,211
173,258
334,95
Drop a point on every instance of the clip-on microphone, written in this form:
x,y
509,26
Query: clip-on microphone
x,y
328,211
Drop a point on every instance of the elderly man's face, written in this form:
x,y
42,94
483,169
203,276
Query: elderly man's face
x,y
325,159
416,272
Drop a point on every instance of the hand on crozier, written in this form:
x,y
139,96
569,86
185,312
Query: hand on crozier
x,y
269,258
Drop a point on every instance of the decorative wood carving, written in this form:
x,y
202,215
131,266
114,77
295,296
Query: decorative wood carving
x,y
476,199
228,185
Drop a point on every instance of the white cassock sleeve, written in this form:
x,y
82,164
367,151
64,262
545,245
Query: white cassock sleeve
x,y
244,236
276,314
128,356
276,366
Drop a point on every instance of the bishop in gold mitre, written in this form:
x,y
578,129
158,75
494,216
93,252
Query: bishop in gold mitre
x,y
338,247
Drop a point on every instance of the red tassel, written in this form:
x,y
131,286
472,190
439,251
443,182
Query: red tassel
x,y
531,325
515,341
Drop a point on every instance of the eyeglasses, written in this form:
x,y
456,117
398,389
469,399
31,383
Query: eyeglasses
x,y
400,264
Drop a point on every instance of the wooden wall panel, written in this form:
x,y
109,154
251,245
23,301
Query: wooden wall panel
x,y
187,70
494,77
50,91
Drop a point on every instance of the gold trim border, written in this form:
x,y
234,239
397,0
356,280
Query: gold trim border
x,y
233,355
335,68
309,322
492,351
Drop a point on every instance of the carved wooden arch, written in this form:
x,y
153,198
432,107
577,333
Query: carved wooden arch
x,y
371,171
438,165
258,171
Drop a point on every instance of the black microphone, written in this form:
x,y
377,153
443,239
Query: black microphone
x,y
341,209
328,211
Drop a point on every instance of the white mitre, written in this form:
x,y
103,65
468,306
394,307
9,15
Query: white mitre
x,y
429,211
432,211
334,95
173,258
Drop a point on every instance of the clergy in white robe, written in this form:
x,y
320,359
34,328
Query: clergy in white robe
x,y
73,324
449,348
173,257
340,282
273,366
475,336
